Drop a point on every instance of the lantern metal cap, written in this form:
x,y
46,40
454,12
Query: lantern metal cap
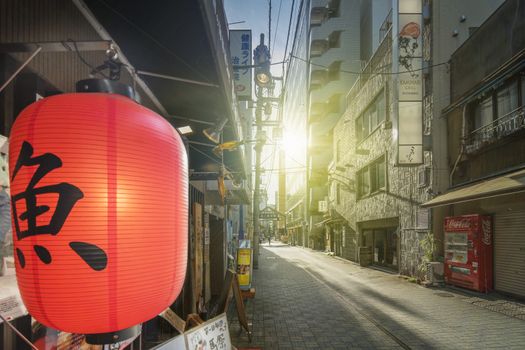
x,y
113,337
105,85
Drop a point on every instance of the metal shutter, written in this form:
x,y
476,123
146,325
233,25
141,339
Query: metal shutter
x,y
509,252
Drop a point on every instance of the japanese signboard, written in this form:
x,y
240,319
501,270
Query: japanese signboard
x,y
269,214
198,255
240,52
211,335
323,206
409,66
244,265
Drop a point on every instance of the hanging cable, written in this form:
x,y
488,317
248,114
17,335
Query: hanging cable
x,y
269,25
155,41
277,25
288,33
373,73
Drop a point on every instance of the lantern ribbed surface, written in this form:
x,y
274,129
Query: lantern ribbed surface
x,y
99,188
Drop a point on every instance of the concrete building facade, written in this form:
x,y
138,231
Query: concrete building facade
x,y
333,60
379,182
485,123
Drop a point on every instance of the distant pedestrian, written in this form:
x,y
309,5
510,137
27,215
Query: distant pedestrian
x,y
269,240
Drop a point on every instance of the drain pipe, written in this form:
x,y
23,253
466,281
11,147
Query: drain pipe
x,y
463,142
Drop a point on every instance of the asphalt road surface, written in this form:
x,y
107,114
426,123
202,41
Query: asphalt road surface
x,y
309,300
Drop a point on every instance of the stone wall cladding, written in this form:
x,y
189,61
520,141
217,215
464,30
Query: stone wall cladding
x,y
403,194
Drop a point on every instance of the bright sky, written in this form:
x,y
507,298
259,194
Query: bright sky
x,y
254,15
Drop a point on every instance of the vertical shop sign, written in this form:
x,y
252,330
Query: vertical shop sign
x,y
244,264
240,52
207,279
197,223
410,112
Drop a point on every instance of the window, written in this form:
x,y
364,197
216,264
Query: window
x,y
334,71
372,178
370,119
338,151
523,90
334,39
483,113
381,174
338,194
507,99
496,105
333,105
363,180
334,8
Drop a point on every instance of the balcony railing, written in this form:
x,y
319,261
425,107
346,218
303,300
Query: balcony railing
x,y
498,129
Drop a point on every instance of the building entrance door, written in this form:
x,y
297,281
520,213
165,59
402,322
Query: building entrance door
x,y
379,247
385,246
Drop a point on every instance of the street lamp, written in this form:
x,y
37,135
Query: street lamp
x,y
214,133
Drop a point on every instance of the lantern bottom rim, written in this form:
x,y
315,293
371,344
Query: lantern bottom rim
x,y
113,337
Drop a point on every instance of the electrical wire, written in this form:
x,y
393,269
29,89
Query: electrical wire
x,y
257,65
269,24
295,32
277,25
154,40
272,162
373,73
288,33
213,159
82,59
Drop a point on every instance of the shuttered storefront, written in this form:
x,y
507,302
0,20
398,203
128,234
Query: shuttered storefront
x,y
509,252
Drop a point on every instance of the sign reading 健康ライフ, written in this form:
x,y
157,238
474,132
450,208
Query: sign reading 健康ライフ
x,y
240,52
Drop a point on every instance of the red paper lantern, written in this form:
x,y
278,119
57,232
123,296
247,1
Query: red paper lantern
x,y
99,189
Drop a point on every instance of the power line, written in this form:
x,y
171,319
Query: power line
x,y
212,159
256,65
288,33
82,59
277,25
154,40
373,73
269,24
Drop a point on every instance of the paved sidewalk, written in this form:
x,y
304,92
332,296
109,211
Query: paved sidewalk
x,y
307,300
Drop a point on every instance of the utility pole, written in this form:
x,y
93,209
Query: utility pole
x,y
256,189
282,192
263,79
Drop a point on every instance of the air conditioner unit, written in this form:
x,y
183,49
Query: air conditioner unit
x,y
435,273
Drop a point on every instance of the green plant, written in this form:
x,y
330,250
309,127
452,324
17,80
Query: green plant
x,y
428,245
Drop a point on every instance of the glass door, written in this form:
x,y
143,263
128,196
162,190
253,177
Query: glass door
x,y
391,248
380,244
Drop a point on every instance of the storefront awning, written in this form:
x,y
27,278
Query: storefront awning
x,y
502,185
180,50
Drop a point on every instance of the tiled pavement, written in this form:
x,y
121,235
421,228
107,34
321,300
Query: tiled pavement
x,y
307,300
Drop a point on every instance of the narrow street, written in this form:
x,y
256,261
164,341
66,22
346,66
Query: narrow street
x,y
307,299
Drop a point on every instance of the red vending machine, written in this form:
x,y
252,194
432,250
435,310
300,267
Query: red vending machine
x,y
468,251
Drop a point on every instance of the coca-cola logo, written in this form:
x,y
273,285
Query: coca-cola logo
x,y
486,229
458,223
